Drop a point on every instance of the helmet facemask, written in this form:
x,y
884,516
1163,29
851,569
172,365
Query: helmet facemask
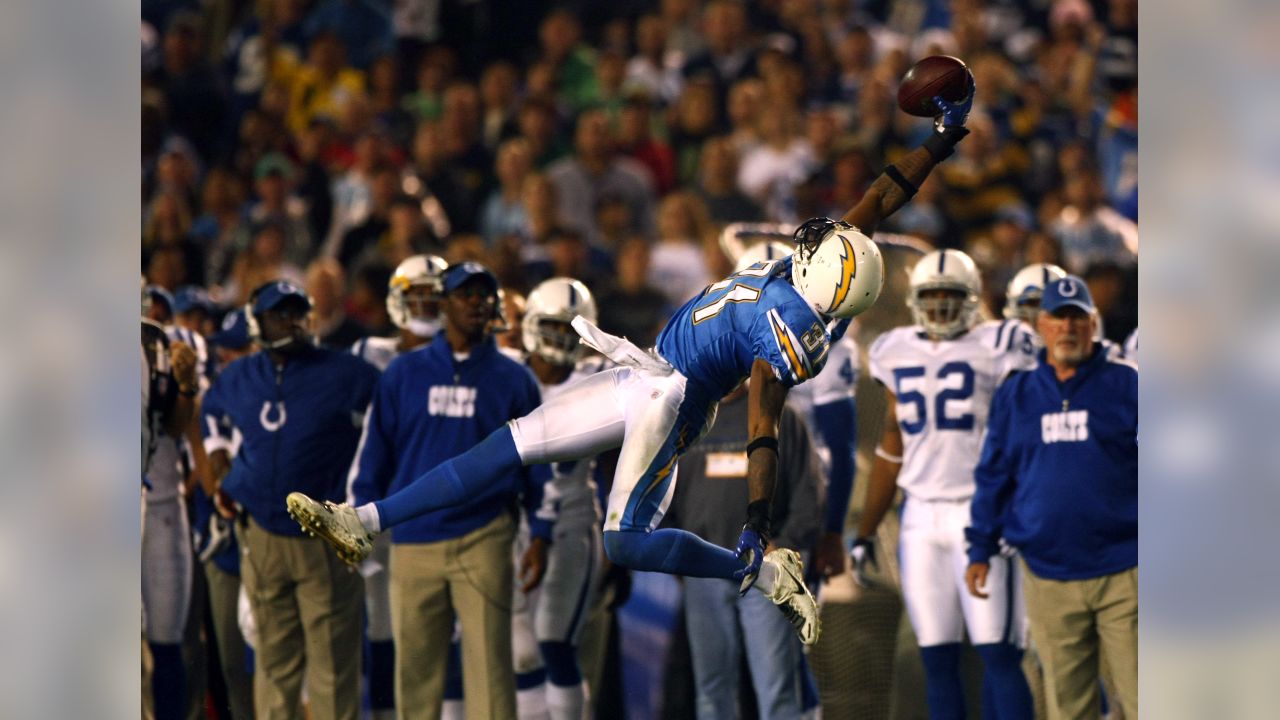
x,y
422,310
944,311
555,341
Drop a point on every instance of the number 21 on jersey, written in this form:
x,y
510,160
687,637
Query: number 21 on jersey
x,y
910,387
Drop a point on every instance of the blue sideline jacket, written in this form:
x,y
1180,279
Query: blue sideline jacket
x,y
1058,476
300,424
430,407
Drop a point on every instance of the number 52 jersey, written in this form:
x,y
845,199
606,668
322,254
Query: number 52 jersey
x,y
944,390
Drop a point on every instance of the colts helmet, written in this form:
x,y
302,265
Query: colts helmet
x,y
837,269
1022,296
945,270
561,300
408,313
762,252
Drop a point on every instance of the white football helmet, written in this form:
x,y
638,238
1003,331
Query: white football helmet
x,y
945,270
1022,296
840,274
422,318
762,252
561,300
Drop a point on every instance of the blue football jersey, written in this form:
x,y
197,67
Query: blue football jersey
x,y
754,313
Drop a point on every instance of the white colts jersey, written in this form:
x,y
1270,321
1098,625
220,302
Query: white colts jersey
x,y
573,484
836,381
377,351
944,390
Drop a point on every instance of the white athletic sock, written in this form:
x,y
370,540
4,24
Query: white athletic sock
x,y
368,515
453,709
566,702
531,703
768,578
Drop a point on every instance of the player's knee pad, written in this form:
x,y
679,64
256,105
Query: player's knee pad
x,y
562,662
621,546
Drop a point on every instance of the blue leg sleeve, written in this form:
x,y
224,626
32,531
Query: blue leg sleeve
x,y
942,681
168,681
1002,671
454,481
453,673
382,674
671,551
561,660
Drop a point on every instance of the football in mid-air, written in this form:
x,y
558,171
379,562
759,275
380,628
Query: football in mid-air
x,y
940,75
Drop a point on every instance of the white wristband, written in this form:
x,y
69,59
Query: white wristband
x,y
882,453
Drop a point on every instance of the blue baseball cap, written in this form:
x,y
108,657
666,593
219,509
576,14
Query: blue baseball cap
x,y
1070,290
456,275
234,332
157,293
192,297
275,292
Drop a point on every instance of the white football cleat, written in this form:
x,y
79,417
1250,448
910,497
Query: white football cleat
x,y
792,596
335,523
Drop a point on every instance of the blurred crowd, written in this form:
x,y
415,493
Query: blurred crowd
x,y
324,141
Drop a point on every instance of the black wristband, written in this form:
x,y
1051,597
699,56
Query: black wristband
x,y
943,142
758,518
762,442
896,176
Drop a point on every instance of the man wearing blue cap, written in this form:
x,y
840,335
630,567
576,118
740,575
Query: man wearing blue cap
x,y
297,408
430,405
215,542
1058,481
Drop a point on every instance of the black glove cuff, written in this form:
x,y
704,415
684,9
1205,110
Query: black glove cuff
x,y
943,142
867,542
758,518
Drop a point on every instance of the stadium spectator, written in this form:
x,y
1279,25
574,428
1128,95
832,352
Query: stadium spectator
x,y
695,120
570,63
273,183
433,178
321,85
636,141
717,185
499,95
375,216
594,169
677,266
630,307
194,97
435,71
1090,231
771,171
326,285
1058,481
729,56
654,69
363,27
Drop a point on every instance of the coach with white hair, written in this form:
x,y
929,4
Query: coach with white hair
x,y
1058,481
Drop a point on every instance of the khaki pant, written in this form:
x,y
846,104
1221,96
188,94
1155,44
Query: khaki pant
x,y
1079,625
306,605
471,577
224,594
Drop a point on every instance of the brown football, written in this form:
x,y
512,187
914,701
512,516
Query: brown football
x,y
940,75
